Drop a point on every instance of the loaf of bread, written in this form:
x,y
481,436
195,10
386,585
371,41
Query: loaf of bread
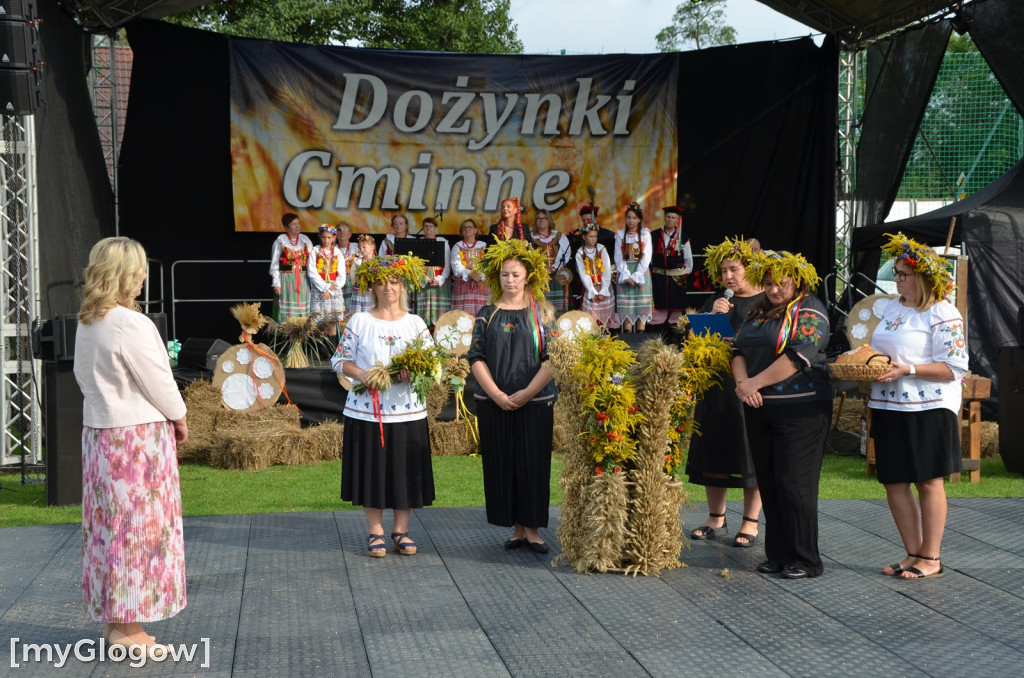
x,y
860,356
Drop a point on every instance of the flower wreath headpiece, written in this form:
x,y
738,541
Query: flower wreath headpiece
x,y
923,260
591,227
730,248
327,228
406,267
781,265
537,275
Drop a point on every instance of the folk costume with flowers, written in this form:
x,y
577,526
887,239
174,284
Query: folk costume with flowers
x,y
467,294
555,247
519,230
289,260
912,405
787,431
349,255
512,343
594,267
634,302
386,446
327,274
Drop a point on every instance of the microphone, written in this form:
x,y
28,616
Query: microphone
x,y
729,294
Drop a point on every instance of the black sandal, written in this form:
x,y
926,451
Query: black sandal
x,y
751,539
897,568
918,574
376,550
708,532
409,548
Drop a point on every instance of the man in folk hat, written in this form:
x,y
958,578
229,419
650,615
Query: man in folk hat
x,y
672,260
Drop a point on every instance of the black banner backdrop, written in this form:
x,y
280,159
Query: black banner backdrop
x,y
755,127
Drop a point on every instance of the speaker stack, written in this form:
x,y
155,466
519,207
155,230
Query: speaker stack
x,y
20,58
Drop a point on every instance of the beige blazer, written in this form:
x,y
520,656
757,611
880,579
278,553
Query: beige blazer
x,y
122,367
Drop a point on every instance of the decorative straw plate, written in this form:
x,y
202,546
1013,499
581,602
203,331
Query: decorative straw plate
x,y
577,323
453,332
250,378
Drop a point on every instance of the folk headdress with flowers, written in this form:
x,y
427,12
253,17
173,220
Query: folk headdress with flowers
x,y
537,275
377,271
328,228
781,265
923,260
730,248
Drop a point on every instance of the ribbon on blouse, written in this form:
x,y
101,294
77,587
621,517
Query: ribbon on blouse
x,y
789,325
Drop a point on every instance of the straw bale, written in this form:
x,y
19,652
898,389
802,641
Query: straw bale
x,y
323,443
853,413
437,398
204,404
451,438
989,438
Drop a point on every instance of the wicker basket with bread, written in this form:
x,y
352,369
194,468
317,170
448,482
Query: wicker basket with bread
x,y
861,364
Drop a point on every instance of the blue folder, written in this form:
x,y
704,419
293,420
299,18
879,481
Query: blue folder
x,y
711,323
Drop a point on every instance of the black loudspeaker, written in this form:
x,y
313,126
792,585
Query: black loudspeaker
x,y
17,10
1011,404
202,354
19,92
63,412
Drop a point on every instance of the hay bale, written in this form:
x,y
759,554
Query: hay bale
x,y
203,401
989,439
250,451
451,438
853,413
437,398
323,443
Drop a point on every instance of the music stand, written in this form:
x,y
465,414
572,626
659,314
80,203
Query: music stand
x,y
430,250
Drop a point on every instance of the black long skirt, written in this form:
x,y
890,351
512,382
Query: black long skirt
x,y
721,445
397,476
516,451
911,447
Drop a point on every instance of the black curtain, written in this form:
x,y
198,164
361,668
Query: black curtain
x,y
757,145
901,74
76,202
996,32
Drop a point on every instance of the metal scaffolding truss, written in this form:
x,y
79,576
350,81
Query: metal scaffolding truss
x,y
847,136
20,410
108,104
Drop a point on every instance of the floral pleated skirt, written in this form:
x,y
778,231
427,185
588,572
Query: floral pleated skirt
x,y
133,566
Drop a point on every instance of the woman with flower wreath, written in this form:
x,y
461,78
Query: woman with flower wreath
x,y
327,278
386,445
779,367
594,267
916,405
510,225
435,299
634,300
515,393
719,455
349,249
289,258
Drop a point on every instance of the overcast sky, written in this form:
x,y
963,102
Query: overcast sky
x,y
616,26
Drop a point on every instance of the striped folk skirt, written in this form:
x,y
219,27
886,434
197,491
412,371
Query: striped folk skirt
x,y
602,310
469,296
634,303
292,302
133,565
433,302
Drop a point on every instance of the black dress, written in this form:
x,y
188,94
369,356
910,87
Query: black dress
x,y
516,445
721,447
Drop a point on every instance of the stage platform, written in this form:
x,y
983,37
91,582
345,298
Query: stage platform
x,y
296,595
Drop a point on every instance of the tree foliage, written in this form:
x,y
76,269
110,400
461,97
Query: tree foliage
x,y
436,25
700,23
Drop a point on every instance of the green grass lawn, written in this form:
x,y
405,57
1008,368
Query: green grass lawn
x,y
459,482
